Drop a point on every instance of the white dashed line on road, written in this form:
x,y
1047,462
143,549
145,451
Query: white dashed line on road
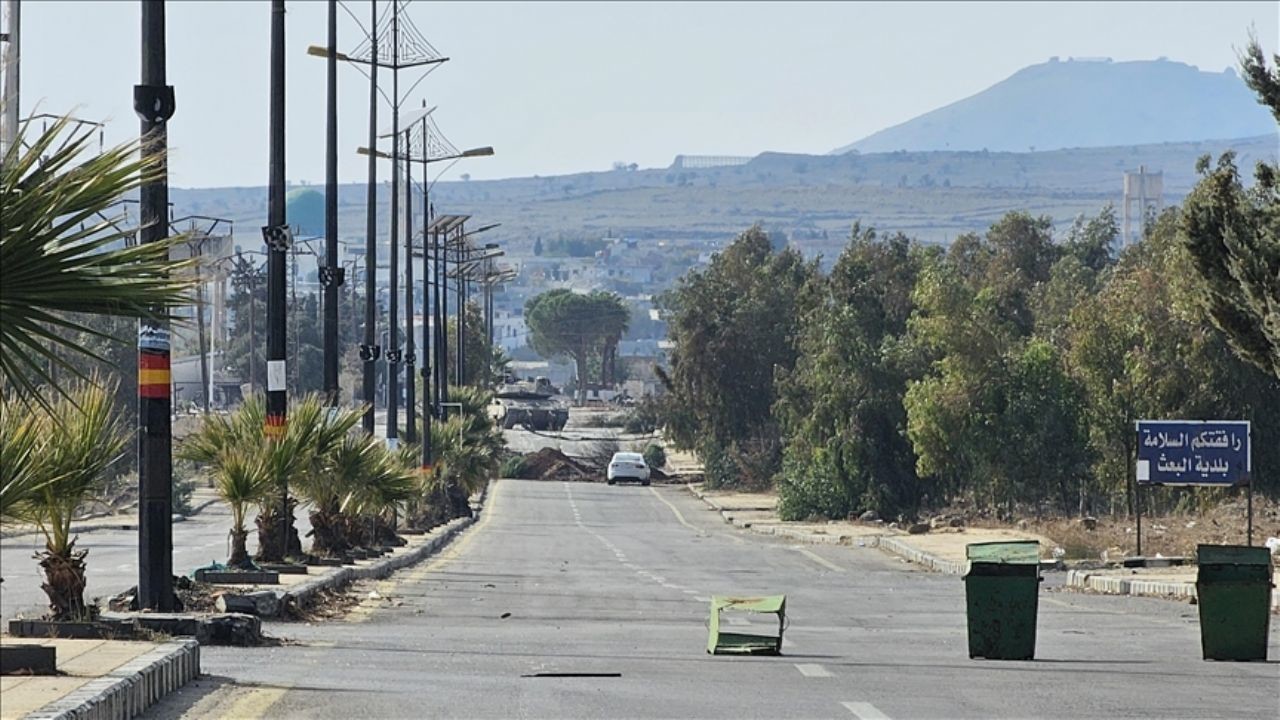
x,y
812,670
864,711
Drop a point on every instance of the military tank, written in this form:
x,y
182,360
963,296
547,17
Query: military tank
x,y
530,405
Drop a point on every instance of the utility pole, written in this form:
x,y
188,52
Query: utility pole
x,y
10,58
153,100
393,320
331,275
369,350
427,408
410,385
276,235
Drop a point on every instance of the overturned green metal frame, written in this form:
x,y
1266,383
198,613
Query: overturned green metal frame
x,y
740,643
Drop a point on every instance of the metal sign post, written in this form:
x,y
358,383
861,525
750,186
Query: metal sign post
x,y
1204,453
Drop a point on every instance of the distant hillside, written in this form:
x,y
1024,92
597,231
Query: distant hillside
x,y
1085,103
930,195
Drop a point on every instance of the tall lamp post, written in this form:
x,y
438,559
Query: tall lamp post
x,y
277,236
331,275
153,100
409,49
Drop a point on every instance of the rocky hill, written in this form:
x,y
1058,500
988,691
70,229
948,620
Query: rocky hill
x,y
1081,103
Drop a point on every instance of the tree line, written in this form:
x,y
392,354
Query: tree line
x,y
1005,371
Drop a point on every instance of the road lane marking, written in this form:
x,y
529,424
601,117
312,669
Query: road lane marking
x,y
675,510
690,592
812,670
256,703
701,598
819,559
864,711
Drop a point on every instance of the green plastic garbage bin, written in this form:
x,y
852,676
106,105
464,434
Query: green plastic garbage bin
x,y
1002,590
1233,588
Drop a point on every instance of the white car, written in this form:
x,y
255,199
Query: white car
x,y
628,466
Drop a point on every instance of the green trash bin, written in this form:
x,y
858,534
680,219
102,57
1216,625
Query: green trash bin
x,y
1002,589
1233,589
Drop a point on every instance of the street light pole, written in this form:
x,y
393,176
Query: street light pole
x,y
331,276
369,351
393,316
410,384
154,102
276,235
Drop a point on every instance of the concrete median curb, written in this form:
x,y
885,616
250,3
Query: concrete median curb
x,y
1116,585
129,689
302,594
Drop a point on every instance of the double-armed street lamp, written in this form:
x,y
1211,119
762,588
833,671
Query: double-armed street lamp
x,y
432,148
408,50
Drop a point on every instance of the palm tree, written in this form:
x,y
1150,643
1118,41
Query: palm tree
x,y
241,479
336,466
467,448
71,461
232,447
21,474
386,485
61,252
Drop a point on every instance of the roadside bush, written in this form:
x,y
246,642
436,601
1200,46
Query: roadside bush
x,y
655,456
812,489
513,467
645,417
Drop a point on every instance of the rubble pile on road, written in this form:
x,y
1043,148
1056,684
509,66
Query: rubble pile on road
x,y
551,464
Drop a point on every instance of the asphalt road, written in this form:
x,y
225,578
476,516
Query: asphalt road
x,y
113,557
578,439
589,579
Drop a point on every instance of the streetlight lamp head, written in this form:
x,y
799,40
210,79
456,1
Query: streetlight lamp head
x,y
478,152
319,51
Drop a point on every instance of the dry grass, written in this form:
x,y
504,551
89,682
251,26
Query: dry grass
x,y
1167,534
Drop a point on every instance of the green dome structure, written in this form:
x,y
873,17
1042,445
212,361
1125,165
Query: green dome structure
x,y
304,211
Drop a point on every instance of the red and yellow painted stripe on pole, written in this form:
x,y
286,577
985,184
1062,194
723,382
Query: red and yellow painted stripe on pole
x,y
275,426
154,378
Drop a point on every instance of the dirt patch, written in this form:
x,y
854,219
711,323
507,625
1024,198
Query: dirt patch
x,y
1169,535
551,464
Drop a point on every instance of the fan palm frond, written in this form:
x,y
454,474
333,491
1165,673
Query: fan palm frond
x,y
86,440
22,474
61,252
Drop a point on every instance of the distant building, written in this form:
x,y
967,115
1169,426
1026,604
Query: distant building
x,y
1143,196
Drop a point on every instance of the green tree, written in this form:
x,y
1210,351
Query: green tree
x,y
988,384
565,323
485,362
1233,235
734,325
841,409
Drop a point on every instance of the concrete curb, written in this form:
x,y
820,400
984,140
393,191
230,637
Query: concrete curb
x,y
894,546
303,593
1116,585
129,689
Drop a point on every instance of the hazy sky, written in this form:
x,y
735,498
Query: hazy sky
x,y
566,87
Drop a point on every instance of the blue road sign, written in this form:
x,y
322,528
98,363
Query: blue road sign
x,y
1190,452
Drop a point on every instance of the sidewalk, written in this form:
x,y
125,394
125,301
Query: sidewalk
x,y
943,549
126,519
118,678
